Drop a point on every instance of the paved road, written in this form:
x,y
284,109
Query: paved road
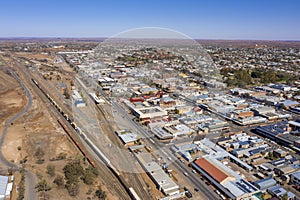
x,y
165,151
3,160
30,192
162,149
30,182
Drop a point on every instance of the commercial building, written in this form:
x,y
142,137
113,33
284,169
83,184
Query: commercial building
x,y
167,102
213,125
193,120
225,179
148,113
185,150
268,89
243,113
280,133
106,81
214,151
264,184
281,87
284,170
295,178
295,109
163,182
178,130
240,91
128,138
172,130
279,192
148,90
249,120
251,152
272,130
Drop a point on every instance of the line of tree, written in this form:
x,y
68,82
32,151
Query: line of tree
x,y
243,77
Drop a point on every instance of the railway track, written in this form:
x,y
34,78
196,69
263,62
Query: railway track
x,y
135,179
129,178
108,178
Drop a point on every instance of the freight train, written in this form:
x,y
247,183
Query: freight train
x,y
96,150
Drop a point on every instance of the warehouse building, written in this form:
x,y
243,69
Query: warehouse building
x,y
5,187
295,178
225,179
264,184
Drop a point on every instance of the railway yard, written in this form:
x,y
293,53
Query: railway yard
x,y
58,116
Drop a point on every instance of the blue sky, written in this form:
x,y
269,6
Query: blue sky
x,y
203,19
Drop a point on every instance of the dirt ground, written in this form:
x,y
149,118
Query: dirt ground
x,y
36,128
12,98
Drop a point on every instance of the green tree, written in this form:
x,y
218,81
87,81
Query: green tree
x,y
59,181
89,175
73,170
73,188
43,186
100,194
285,196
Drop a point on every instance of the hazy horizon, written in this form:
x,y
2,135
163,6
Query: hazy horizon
x,y
217,20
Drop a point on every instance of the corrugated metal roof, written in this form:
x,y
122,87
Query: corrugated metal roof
x,y
212,170
3,184
265,183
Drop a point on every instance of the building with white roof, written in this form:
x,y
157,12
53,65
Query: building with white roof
x,y
266,183
3,186
128,138
148,113
79,102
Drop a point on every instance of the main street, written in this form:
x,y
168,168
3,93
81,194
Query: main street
x,y
165,152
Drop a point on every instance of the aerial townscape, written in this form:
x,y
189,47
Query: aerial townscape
x,y
150,112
